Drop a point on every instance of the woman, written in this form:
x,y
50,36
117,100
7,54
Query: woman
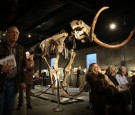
x,y
101,91
111,72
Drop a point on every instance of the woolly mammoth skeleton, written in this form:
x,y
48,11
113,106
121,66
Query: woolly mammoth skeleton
x,y
81,31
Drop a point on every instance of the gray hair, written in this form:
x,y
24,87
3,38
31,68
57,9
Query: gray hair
x,y
122,69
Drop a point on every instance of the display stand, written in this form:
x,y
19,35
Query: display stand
x,y
59,108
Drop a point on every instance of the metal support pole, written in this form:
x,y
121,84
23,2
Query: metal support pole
x,y
90,105
89,90
123,60
58,109
40,72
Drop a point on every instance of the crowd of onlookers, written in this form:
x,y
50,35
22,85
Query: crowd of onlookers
x,y
110,88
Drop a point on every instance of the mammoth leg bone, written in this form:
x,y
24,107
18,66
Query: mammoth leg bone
x,y
56,63
68,67
52,72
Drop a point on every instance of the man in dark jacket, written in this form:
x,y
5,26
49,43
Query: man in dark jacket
x,y
11,75
77,77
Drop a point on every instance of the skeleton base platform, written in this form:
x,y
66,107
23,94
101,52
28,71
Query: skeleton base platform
x,y
40,92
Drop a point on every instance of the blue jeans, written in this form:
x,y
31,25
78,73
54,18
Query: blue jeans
x,y
7,99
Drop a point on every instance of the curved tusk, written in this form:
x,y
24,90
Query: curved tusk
x,y
95,21
93,36
114,46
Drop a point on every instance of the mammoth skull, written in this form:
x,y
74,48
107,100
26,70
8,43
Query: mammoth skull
x,y
80,30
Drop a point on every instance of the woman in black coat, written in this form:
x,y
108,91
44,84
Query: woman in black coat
x,y
101,91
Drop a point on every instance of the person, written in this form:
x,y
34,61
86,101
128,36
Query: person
x,y
121,76
82,79
133,93
28,74
43,75
124,98
111,73
78,74
125,95
101,91
11,77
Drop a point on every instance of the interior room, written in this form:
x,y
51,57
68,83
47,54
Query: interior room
x,y
64,36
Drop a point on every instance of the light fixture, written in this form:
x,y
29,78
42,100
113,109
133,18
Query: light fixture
x,y
112,26
29,35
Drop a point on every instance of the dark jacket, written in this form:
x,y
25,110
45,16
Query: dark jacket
x,y
20,62
78,72
28,73
101,91
113,79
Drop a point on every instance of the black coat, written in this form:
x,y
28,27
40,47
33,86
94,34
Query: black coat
x,y
20,61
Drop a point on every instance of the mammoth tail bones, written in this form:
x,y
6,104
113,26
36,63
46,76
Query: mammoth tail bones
x,y
80,31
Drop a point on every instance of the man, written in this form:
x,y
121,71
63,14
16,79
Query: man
x,y
28,74
121,76
125,95
11,77
78,74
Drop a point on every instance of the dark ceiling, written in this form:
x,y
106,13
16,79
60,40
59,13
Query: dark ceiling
x,y
44,18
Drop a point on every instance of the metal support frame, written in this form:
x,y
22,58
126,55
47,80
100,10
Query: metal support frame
x,y
59,108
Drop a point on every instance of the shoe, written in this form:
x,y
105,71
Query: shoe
x,y
19,107
29,107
